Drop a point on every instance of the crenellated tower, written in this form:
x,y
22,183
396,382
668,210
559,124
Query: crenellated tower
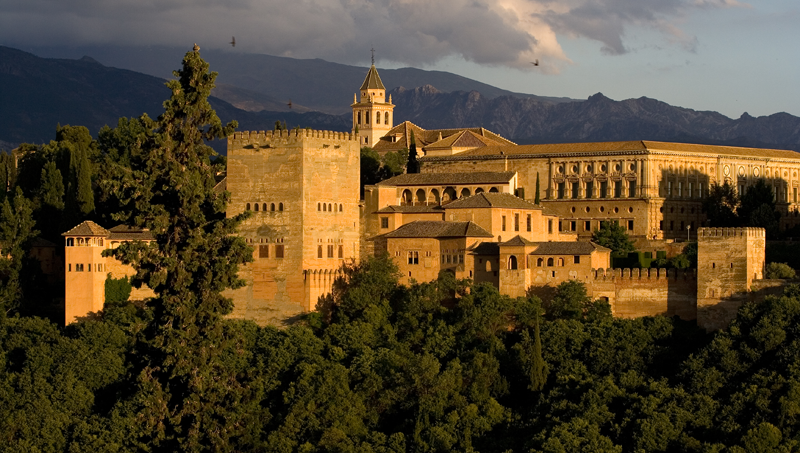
x,y
372,115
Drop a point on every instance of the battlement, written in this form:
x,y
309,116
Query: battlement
x,y
285,137
643,274
750,232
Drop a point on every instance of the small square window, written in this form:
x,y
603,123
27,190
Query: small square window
x,y
384,222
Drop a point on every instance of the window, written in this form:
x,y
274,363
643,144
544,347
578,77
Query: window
x,y
669,188
319,207
587,225
255,207
573,226
689,190
540,262
413,257
529,222
384,222
341,251
512,262
576,259
560,190
516,222
70,242
561,262
279,251
280,206
386,118
617,189
603,189
549,262
272,206
630,225
263,251
550,226
330,251
319,251
672,225
631,189
589,189
69,267
359,118
575,190
503,223
247,206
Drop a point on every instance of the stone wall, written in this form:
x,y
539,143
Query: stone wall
x,y
633,293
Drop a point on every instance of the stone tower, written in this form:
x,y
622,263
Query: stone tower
x,y
372,115
301,188
84,270
728,260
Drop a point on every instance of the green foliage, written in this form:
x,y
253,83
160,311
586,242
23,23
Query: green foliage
x,y
536,199
117,290
413,164
16,233
778,270
8,175
613,236
394,163
721,204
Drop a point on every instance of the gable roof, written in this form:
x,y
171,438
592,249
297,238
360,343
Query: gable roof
x,y
438,229
87,228
434,209
463,139
449,179
517,241
611,148
491,200
130,233
373,80
567,248
399,137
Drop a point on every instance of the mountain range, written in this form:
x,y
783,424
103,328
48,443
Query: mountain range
x,y
37,93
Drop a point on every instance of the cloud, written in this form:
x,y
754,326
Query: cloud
x,y
508,33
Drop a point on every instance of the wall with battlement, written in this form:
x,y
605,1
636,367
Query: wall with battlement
x,y
633,293
301,188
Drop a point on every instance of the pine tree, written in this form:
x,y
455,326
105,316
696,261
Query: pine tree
x,y
186,398
536,199
8,175
413,163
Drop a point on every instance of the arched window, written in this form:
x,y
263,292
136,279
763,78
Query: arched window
x,y
433,197
70,242
465,192
406,199
366,118
512,262
540,262
341,251
319,207
421,197
330,207
478,190
561,262
280,206
488,265
449,195
80,241
341,207
324,207
247,206
255,206
377,117
386,118
549,262
359,118
319,251
493,190
272,206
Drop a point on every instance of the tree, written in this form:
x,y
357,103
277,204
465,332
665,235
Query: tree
x,y
394,163
16,232
569,301
185,398
413,163
721,204
613,236
8,174
51,200
779,271
536,199
370,167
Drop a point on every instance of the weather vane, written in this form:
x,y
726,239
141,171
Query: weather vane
x,y
373,56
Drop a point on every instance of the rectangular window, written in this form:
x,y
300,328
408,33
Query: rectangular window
x,y
573,226
672,225
689,190
319,251
341,251
669,188
794,193
741,189
680,189
503,223
587,225
661,225
603,189
631,189
69,267
575,190
630,225
550,226
330,251
617,189
516,222
384,222
413,257
529,216
263,251
576,259
561,190
279,251
699,191
589,189
560,226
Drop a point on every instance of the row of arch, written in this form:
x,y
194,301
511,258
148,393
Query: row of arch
x,y
330,207
377,118
85,242
434,197
263,207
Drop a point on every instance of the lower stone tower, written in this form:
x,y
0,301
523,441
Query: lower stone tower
x,y
728,260
301,187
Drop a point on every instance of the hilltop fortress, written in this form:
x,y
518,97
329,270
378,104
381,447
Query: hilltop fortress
x,y
471,212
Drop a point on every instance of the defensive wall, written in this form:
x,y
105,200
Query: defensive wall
x,y
633,293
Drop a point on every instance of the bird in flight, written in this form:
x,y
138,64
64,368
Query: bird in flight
x,y
535,63
290,104
233,41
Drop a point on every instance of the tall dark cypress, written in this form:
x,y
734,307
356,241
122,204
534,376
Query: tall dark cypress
x,y
536,199
413,163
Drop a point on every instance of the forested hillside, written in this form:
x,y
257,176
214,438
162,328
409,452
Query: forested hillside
x,y
379,367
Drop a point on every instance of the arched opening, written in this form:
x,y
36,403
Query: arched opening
x,y
377,117
247,206
448,195
494,190
421,197
324,207
406,199
540,262
80,241
433,197
512,262
549,262
319,207
341,207
488,265
280,206
330,207
386,118
561,262
70,242
359,118
272,206
465,193
478,190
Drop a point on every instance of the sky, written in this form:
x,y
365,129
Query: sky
x,y
729,56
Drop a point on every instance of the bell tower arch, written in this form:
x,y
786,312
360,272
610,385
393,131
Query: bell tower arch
x,y
373,116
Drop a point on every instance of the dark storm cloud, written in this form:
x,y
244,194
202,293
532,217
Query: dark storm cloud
x,y
488,32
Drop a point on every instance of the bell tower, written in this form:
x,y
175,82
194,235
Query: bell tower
x,y
372,115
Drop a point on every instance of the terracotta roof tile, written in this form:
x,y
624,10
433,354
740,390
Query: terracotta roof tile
x,y
491,200
87,228
413,209
517,241
445,179
129,233
567,248
438,229
486,248
373,80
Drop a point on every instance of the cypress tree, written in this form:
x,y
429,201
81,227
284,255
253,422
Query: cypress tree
x,y
8,174
537,362
413,163
16,232
51,201
186,398
536,199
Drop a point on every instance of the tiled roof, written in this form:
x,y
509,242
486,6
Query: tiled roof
x,y
486,248
87,228
438,229
567,248
517,241
373,80
491,200
415,209
425,137
449,179
222,185
463,139
129,233
640,146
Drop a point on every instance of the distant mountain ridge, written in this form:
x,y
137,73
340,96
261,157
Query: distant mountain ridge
x,y
38,93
